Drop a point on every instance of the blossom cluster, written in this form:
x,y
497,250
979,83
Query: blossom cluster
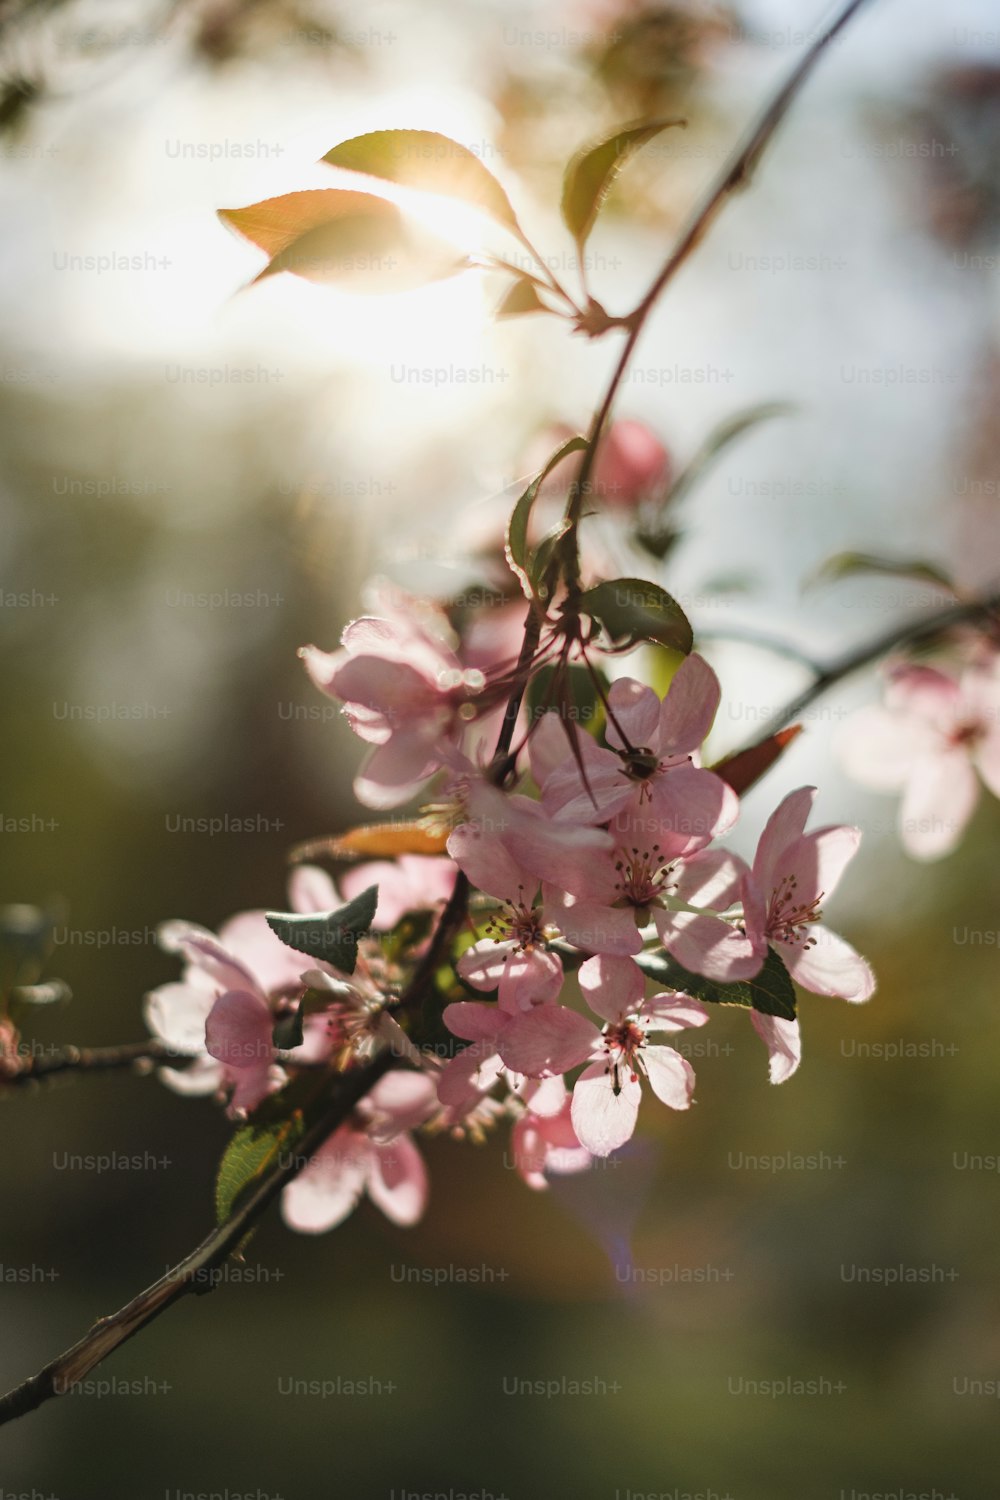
x,y
595,908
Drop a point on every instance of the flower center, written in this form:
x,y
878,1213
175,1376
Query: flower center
x,y
644,877
518,922
641,764
788,915
966,736
623,1041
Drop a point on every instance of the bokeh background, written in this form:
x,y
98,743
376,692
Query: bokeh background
x,y
166,436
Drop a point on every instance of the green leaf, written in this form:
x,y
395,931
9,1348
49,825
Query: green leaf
x,y
334,237
332,936
516,546
520,299
426,160
632,610
770,991
287,1031
538,563
592,170
251,1152
846,564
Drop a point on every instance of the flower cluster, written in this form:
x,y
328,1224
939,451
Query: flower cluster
x,y
574,905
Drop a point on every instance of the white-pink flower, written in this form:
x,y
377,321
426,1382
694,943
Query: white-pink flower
x,y
648,877
409,883
222,1011
543,1140
929,739
648,769
606,1097
373,1154
402,686
793,873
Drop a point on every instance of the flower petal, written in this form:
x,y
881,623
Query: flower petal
x,y
177,1013
939,800
328,1189
474,1020
636,709
548,1039
830,966
310,889
689,707
398,1181
672,1011
238,1030
783,1042
612,987
602,1119
783,827
671,1077
530,978
708,945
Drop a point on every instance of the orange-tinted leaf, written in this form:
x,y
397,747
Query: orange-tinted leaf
x,y
274,223
429,161
746,767
374,841
343,238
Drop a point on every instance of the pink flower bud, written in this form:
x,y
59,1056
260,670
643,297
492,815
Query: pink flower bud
x,y
631,465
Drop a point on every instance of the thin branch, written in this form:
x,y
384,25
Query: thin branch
x,y
735,176
44,1065
193,1273
967,613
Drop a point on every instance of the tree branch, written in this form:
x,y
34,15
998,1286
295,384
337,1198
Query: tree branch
x,y
193,1273
967,613
734,176
36,1068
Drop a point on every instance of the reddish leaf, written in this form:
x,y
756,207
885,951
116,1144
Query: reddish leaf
x,y
746,767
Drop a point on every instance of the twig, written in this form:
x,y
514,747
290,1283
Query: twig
x,y
735,176
193,1273
34,1068
966,613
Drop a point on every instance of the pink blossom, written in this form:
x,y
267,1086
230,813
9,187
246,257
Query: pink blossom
x,y
631,465
931,737
409,883
651,879
402,686
513,958
793,872
222,1011
647,770
373,1154
606,1097
543,1139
